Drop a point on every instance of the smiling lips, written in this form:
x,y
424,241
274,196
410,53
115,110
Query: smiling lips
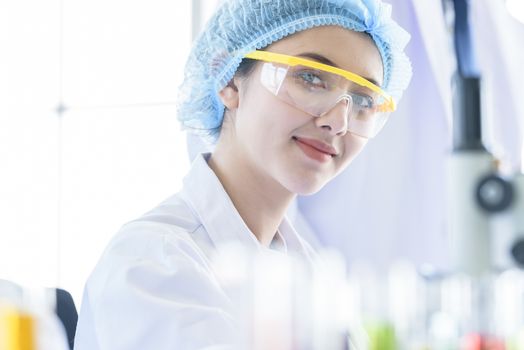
x,y
315,149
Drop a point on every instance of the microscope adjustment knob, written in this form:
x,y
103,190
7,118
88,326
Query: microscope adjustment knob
x,y
517,251
494,194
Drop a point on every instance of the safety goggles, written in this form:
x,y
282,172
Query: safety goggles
x,y
316,88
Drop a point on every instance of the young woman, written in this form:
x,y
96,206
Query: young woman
x,y
289,92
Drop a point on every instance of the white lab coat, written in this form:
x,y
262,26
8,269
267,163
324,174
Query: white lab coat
x,y
390,202
155,285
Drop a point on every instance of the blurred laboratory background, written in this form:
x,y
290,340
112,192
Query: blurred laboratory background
x,y
88,133
89,138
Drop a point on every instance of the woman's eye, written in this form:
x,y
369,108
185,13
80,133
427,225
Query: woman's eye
x,y
311,79
363,102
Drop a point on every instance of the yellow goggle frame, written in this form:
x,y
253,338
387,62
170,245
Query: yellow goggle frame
x,y
388,106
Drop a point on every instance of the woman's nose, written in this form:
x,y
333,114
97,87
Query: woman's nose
x,y
336,119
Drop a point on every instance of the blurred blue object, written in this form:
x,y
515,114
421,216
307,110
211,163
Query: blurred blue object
x,y
67,313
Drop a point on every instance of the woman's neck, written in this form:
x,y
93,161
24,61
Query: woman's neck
x,y
260,200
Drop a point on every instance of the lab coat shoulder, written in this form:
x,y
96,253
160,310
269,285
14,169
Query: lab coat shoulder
x,y
155,283
174,212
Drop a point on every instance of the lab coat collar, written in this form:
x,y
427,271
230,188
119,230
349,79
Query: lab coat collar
x,y
208,199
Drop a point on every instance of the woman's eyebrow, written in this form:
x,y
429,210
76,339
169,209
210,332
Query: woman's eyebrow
x,y
325,60
319,58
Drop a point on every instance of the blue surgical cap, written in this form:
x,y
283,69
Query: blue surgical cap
x,y
239,27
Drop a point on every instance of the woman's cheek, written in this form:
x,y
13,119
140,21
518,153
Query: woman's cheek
x,y
353,146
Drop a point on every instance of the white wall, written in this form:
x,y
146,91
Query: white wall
x,y
69,180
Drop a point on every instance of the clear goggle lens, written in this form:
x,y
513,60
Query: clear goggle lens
x,y
317,92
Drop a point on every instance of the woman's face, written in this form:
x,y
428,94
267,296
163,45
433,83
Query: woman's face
x,y
282,142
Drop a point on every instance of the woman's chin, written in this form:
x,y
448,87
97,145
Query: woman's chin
x,y
305,188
